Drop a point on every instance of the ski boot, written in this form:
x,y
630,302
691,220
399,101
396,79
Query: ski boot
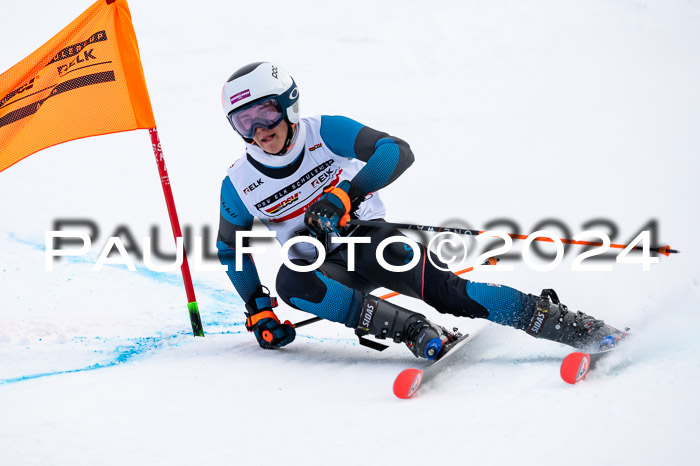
x,y
552,320
386,320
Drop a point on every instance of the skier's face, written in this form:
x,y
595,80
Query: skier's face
x,y
271,140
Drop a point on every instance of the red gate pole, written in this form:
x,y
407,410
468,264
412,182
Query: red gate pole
x,y
192,307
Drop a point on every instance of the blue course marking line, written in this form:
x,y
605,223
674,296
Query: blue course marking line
x,y
221,318
123,353
142,345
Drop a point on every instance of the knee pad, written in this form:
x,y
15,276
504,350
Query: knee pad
x,y
306,285
320,295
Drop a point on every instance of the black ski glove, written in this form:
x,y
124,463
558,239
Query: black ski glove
x,y
332,211
262,321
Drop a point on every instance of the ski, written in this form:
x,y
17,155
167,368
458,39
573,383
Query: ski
x,y
408,381
577,365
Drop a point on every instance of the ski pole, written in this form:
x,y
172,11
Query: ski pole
x,y
306,322
666,250
490,261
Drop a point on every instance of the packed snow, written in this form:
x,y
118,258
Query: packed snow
x,y
586,113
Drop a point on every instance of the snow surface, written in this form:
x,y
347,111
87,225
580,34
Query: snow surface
x,y
524,110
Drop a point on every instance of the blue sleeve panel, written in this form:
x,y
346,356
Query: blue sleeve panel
x,y
506,306
234,217
380,167
247,280
339,134
386,157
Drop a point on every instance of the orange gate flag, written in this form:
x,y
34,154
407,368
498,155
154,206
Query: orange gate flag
x,y
86,81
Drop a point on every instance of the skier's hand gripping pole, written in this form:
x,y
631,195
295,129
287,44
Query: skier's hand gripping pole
x,y
331,212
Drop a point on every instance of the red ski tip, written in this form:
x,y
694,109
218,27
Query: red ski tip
x,y
407,383
575,367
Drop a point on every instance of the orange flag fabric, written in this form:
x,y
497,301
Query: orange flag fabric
x,y
86,81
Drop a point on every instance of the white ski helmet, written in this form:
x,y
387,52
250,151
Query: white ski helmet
x,y
253,84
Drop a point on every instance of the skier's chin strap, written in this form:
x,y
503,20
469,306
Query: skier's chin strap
x,y
293,146
291,127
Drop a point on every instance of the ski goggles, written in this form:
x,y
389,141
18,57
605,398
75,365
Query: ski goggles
x,y
265,114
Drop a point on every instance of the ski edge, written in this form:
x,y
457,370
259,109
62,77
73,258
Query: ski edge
x,y
409,380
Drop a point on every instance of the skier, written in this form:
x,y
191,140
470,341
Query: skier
x,y
309,176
